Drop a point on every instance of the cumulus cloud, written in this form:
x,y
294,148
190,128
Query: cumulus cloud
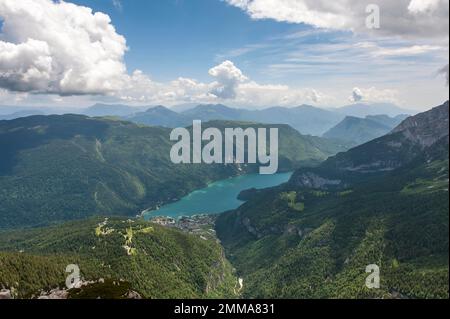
x,y
229,85
228,77
59,48
315,96
140,88
399,17
374,95
357,95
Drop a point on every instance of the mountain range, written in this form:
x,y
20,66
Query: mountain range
x,y
305,119
366,109
308,120
63,167
118,110
383,203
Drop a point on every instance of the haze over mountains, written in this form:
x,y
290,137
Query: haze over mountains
x,y
110,110
365,109
21,113
306,119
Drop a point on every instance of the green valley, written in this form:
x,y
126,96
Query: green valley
x,y
57,168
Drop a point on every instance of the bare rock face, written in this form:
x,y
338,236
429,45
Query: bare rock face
x,y
5,294
252,230
98,289
133,295
418,135
55,294
426,128
311,180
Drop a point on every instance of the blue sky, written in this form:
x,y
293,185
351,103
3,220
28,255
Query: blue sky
x,y
242,53
168,38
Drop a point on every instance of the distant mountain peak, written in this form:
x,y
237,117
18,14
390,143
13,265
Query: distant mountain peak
x,y
159,108
414,137
307,106
213,107
361,130
100,109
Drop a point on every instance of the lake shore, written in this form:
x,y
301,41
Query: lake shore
x,y
217,197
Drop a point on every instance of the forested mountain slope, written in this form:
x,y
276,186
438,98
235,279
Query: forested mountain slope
x,y
315,236
154,261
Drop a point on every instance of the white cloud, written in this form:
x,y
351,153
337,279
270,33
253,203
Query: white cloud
x,y
292,11
315,96
402,51
230,86
260,95
424,6
64,49
356,96
140,88
373,94
8,98
228,77
399,17
59,47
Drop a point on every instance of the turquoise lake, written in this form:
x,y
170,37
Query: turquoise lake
x,y
218,197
